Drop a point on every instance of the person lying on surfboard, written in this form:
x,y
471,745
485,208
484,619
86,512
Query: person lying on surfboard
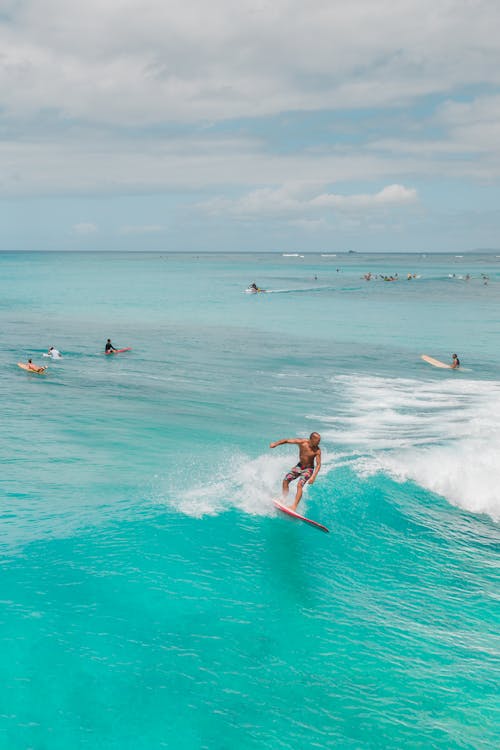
x,y
33,367
305,471
109,347
456,362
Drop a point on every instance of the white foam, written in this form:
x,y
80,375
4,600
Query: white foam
x,y
242,482
444,436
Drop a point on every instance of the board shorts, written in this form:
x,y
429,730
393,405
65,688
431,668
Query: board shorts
x,y
305,473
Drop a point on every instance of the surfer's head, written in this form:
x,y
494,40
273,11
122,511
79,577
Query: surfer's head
x,y
455,356
314,438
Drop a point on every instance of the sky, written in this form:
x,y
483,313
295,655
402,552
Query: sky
x,y
187,125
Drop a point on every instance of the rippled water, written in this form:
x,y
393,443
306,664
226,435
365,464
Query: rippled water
x,y
151,597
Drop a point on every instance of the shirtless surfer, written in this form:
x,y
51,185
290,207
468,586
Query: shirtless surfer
x,y
305,471
456,362
34,367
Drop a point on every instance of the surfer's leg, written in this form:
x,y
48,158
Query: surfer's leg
x,y
298,497
306,474
292,474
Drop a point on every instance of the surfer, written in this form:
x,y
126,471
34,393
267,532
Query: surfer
x,y
54,353
306,470
456,362
33,367
109,347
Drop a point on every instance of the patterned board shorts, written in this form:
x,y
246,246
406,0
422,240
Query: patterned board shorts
x,y
305,473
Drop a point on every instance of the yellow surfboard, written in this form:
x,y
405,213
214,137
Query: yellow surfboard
x,y
37,371
436,362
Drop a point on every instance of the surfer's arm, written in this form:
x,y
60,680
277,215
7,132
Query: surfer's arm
x,y
316,468
296,441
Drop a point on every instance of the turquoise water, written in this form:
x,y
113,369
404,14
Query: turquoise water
x,y
152,598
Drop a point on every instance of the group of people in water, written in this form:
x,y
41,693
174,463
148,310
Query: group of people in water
x,y
54,353
369,276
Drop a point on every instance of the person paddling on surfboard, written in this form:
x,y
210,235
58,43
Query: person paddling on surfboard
x,y
109,347
305,471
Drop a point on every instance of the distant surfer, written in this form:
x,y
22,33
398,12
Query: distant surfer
x,y
306,470
33,367
456,362
109,347
54,353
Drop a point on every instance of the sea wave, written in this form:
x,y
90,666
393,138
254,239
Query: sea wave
x,y
444,436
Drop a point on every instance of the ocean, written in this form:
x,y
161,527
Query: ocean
x,y
152,597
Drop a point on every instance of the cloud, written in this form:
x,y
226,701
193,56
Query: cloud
x,y
296,200
85,228
113,62
115,96
392,195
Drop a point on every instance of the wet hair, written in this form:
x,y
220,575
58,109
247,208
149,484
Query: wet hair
x,y
314,434
455,355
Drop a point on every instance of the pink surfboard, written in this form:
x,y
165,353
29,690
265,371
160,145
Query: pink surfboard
x,y
119,351
294,514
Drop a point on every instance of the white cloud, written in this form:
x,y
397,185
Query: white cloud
x,y
296,200
392,195
79,82
471,127
85,228
112,61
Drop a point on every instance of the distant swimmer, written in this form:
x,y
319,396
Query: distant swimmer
x,y
54,353
305,471
254,288
456,362
109,347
